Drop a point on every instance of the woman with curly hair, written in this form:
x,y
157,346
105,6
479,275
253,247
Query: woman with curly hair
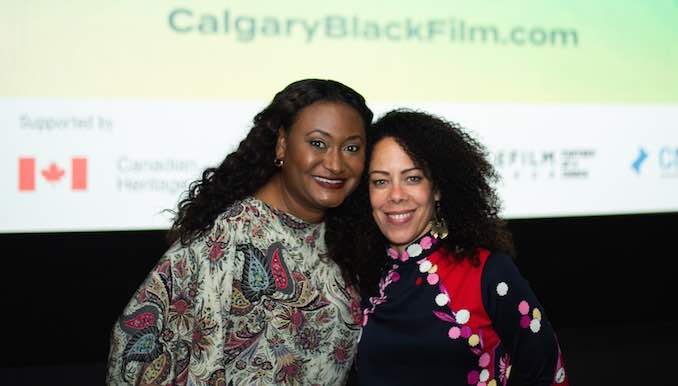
x,y
450,307
246,294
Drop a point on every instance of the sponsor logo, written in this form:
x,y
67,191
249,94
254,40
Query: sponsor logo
x,y
668,161
640,159
543,164
662,161
155,175
52,173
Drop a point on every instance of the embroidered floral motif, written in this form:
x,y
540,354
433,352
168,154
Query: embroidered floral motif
x,y
279,275
141,320
504,368
343,350
502,289
459,320
180,313
376,300
413,250
156,370
216,244
442,299
560,375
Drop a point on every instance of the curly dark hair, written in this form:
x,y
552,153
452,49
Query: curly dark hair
x,y
458,167
250,166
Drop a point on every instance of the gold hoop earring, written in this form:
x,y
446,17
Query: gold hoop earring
x,y
438,224
278,162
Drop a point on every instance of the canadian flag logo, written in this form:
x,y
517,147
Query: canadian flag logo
x,y
52,173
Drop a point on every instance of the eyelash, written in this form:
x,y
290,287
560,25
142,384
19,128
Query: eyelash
x,y
318,144
410,179
321,145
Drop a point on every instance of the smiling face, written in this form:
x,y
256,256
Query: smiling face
x,y
323,153
401,195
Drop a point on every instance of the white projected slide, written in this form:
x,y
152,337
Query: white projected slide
x,y
104,125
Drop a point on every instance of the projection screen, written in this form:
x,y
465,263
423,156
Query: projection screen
x,y
109,109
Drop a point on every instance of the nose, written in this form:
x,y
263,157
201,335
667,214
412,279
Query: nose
x,y
334,161
396,194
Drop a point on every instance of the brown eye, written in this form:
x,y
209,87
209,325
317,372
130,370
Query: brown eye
x,y
317,143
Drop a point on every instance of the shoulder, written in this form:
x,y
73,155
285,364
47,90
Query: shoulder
x,y
248,210
499,263
244,222
226,229
500,267
236,212
241,213
502,275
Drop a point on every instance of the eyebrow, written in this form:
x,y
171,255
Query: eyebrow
x,y
326,134
403,172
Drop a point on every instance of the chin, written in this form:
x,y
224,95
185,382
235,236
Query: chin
x,y
329,202
400,238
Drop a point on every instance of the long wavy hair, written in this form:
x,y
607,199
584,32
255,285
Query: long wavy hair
x,y
458,167
250,166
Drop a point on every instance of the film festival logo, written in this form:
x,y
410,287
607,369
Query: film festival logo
x,y
53,174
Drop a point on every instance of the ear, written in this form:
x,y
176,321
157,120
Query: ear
x,y
281,144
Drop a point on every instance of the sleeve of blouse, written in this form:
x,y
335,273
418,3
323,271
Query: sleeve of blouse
x,y
522,326
173,323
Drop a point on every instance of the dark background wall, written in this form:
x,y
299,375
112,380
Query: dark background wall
x,y
605,282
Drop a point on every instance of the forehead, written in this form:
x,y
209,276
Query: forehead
x,y
336,118
388,154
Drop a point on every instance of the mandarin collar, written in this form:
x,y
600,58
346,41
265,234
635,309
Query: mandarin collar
x,y
416,250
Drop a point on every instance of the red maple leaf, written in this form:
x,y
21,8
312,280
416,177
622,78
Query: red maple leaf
x,y
53,173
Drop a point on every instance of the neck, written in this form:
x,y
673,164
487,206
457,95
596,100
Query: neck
x,y
400,248
276,194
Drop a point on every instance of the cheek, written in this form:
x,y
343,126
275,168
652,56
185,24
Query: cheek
x,y
426,199
304,160
429,211
377,215
356,164
378,199
373,197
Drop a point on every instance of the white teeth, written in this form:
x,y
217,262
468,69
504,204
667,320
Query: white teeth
x,y
400,216
328,181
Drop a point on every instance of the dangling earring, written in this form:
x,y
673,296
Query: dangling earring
x,y
278,162
438,224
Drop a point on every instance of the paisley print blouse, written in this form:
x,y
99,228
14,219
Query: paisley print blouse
x,y
255,301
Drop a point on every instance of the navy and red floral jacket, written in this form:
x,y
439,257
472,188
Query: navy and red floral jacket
x,y
437,321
